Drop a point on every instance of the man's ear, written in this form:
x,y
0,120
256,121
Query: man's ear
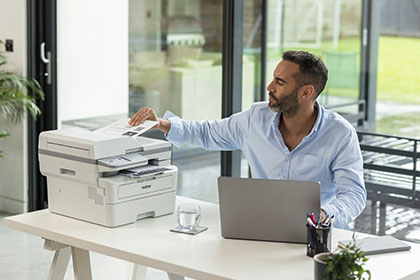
x,y
308,91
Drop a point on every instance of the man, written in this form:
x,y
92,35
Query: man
x,y
292,137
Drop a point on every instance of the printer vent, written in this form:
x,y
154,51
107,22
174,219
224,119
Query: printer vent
x,y
93,194
99,200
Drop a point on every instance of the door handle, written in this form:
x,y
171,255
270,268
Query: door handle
x,y
44,59
47,60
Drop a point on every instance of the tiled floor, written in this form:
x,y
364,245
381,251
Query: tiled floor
x,y
22,256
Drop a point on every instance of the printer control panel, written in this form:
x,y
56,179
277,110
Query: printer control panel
x,y
134,158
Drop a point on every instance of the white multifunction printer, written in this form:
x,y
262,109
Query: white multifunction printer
x,y
106,179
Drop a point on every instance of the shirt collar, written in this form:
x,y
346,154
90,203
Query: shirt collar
x,y
318,121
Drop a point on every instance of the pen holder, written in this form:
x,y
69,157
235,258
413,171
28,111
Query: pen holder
x,y
318,240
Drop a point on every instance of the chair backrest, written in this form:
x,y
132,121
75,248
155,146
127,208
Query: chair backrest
x,y
343,69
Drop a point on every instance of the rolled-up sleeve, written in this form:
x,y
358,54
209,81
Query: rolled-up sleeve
x,y
175,133
226,134
347,169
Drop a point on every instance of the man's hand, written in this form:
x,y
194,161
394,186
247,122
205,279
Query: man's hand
x,y
147,113
143,114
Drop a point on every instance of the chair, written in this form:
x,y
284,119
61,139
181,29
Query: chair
x,y
343,71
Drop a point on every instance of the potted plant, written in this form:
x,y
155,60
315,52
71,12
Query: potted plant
x,y
342,264
14,98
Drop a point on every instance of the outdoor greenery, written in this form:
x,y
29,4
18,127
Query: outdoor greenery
x,y
398,72
14,100
398,76
346,264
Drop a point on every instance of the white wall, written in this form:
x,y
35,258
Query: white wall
x,y
13,165
92,75
92,58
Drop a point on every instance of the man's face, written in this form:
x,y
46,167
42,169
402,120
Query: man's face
x,y
284,90
288,104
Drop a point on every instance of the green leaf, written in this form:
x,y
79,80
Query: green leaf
x,y
347,263
18,96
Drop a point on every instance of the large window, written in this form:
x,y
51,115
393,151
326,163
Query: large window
x,y
328,28
398,86
175,64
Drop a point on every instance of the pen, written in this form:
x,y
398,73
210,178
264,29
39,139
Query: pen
x,y
310,223
331,221
312,218
325,218
324,221
324,224
318,222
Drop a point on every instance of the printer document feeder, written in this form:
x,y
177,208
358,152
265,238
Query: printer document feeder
x,y
88,176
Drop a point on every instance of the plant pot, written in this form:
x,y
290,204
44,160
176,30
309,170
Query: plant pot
x,y
320,265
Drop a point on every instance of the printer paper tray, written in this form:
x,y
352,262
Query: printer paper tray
x,y
139,172
143,187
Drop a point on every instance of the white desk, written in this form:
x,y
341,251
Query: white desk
x,y
204,256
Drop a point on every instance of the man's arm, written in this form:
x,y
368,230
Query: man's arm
x,y
225,134
347,168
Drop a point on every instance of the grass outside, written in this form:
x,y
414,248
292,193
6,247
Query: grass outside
x,y
398,75
398,70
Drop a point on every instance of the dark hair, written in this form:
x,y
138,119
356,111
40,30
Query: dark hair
x,y
312,70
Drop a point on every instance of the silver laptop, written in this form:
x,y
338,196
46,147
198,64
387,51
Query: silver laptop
x,y
270,210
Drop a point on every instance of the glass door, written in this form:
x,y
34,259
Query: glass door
x,y
42,66
175,64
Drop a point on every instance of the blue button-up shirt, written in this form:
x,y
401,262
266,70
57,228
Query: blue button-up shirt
x,y
329,154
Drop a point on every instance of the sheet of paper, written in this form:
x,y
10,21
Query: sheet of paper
x,y
122,127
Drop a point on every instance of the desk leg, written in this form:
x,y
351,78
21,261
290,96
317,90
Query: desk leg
x,y
172,276
139,272
59,264
61,259
81,264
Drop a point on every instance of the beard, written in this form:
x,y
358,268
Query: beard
x,y
287,105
